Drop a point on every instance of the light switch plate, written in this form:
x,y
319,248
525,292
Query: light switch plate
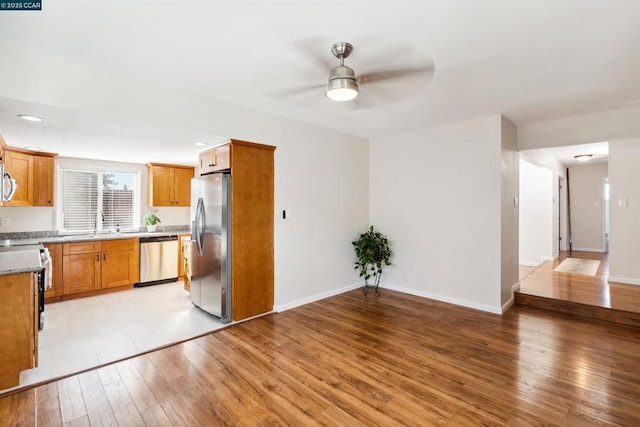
x,y
621,203
6,221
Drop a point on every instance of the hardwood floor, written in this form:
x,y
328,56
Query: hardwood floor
x,y
353,360
580,294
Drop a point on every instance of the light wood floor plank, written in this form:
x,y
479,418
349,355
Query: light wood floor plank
x,y
71,400
98,407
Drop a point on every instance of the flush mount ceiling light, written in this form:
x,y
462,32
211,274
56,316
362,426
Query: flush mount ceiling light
x,y
31,118
583,157
199,144
342,84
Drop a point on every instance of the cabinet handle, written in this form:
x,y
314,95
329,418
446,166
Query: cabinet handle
x,y
104,256
97,257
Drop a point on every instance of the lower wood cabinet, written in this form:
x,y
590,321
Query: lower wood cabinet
x,y
19,331
93,266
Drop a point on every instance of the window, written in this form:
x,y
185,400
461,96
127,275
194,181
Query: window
x,y
102,200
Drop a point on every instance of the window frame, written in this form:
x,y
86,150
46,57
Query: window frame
x,y
99,169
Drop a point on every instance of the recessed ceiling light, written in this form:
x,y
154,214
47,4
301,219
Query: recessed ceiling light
x,y
31,118
199,144
33,148
583,157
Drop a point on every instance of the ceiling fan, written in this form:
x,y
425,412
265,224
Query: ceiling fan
x,y
343,84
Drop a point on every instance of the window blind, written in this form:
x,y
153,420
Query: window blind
x,y
86,194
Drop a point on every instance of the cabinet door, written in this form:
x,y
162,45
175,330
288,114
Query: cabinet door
x,y
120,262
43,181
55,251
20,167
206,162
182,189
161,186
222,158
81,273
116,268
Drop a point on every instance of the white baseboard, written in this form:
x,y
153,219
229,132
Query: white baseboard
x,y
288,306
623,280
529,263
507,305
455,301
547,258
598,250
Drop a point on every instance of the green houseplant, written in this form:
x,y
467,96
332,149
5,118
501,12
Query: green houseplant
x,y
372,253
151,220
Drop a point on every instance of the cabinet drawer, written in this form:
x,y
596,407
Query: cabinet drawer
x,y
119,245
80,248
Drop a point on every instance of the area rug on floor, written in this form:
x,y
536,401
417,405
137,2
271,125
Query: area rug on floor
x,y
588,267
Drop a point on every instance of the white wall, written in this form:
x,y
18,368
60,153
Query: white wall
x,y
608,125
321,176
436,194
536,214
586,185
509,275
624,180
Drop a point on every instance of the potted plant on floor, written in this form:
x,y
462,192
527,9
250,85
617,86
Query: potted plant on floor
x,y
372,253
151,220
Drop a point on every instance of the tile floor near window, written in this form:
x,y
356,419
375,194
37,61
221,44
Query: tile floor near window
x,y
88,332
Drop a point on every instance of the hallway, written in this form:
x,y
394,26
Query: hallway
x,y
580,294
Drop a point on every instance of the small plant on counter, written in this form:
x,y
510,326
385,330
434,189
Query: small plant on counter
x,y
372,253
150,219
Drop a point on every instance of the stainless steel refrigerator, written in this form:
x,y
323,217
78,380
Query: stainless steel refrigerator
x,y
211,244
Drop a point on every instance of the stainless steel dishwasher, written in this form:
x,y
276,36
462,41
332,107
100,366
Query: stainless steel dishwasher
x,y
158,260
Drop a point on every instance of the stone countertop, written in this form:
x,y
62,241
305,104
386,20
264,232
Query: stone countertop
x,y
20,262
90,237
109,236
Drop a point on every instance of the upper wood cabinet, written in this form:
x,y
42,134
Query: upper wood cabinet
x,y
20,166
169,185
215,159
43,180
34,175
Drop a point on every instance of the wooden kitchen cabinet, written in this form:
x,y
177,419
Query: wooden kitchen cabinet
x,y
120,262
55,293
184,260
252,216
19,332
20,166
43,180
95,266
80,267
215,159
169,185
34,175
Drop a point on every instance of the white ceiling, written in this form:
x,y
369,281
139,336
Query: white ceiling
x,y
530,60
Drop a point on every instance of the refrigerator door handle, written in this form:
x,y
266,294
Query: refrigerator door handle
x,y
199,225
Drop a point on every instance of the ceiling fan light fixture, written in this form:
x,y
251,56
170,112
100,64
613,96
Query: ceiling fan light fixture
x,y
583,157
342,90
342,85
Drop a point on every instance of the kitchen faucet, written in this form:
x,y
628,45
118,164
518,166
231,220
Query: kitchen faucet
x,y
95,227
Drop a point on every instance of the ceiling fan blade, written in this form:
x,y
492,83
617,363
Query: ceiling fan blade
x,y
294,92
377,76
316,49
